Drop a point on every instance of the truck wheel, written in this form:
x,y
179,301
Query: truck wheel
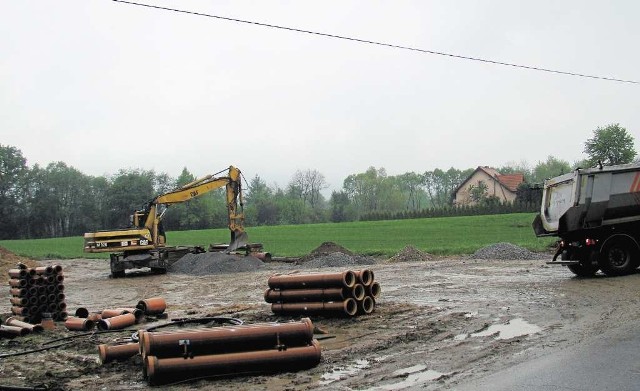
x,y
118,274
618,256
586,268
581,270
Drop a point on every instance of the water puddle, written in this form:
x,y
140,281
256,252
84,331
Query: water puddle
x,y
415,375
343,372
514,328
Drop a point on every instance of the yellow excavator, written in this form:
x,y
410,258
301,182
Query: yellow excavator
x,y
144,243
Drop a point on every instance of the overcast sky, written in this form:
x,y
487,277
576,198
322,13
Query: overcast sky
x,y
103,85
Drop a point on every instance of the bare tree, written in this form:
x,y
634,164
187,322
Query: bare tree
x,y
307,185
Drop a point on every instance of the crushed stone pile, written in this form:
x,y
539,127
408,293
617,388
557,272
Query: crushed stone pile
x,y
505,251
411,254
215,263
330,254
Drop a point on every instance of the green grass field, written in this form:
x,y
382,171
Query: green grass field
x,y
442,236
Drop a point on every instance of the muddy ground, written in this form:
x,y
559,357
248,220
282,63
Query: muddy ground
x,y
439,322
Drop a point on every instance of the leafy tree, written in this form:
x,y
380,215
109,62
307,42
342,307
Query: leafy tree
x,y
521,167
339,206
261,208
550,168
478,192
440,185
610,145
529,194
61,201
130,190
13,169
410,185
374,191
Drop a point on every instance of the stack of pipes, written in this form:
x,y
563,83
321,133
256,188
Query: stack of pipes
x,y
37,291
343,293
193,353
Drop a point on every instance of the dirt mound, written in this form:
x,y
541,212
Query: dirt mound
x,y
325,249
411,254
215,263
330,254
505,251
9,260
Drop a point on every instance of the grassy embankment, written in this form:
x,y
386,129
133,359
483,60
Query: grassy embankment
x,y
442,236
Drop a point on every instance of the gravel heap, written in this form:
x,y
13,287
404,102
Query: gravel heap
x,y
338,260
411,254
504,251
215,263
329,254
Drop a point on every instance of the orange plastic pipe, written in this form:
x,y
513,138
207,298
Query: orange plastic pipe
x,y
14,321
165,370
117,322
226,339
348,307
18,273
374,290
109,353
152,306
365,276
79,324
366,306
316,280
300,295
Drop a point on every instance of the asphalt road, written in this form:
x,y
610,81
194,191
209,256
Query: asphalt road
x,y
606,362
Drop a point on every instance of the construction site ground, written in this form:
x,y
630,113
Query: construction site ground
x,y
440,322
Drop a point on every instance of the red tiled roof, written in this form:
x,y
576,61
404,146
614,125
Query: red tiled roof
x,y
511,181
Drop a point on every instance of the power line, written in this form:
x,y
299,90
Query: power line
x,y
425,51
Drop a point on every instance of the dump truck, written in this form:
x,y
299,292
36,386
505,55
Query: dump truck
x,y
595,213
143,244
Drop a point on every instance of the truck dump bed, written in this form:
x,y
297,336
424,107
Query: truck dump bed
x,y
589,198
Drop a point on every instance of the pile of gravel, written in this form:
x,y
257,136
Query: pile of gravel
x,y
215,263
338,259
411,254
504,251
330,254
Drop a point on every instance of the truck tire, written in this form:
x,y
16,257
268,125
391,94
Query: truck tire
x,y
586,267
581,270
619,256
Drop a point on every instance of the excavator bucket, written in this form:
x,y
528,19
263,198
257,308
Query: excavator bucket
x,y
238,239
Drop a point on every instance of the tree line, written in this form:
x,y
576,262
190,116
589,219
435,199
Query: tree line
x,y
59,200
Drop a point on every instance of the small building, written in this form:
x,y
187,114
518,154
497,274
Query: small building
x,y
487,182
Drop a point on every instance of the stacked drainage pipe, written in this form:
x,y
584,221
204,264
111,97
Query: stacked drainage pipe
x,y
37,291
343,293
186,354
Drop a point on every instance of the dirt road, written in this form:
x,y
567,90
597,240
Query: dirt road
x,y
438,323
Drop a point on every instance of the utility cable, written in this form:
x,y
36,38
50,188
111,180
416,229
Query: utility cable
x,y
365,41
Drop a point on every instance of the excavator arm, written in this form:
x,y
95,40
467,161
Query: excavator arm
x,y
147,232
199,187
